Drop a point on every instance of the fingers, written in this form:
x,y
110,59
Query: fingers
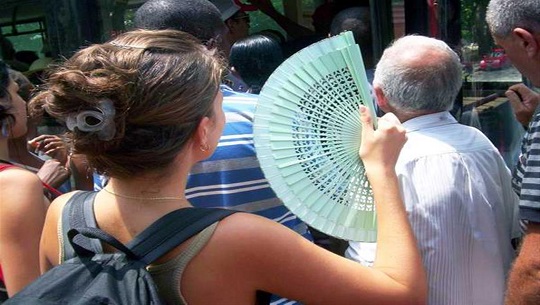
x,y
45,138
514,99
39,141
54,144
520,89
524,102
380,148
391,118
38,138
47,143
54,141
524,93
390,126
51,145
52,151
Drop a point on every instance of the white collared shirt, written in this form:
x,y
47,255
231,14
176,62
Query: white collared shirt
x,y
459,199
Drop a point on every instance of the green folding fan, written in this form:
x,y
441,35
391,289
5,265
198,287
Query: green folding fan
x,y
307,136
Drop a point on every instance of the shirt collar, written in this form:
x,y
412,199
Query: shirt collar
x,y
224,87
429,120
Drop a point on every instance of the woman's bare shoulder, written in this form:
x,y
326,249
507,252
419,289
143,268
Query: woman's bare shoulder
x,y
55,209
18,176
20,189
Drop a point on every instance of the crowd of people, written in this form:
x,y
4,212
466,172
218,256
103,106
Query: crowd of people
x,y
161,117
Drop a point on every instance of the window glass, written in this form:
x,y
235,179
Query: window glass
x,y
32,41
260,21
487,74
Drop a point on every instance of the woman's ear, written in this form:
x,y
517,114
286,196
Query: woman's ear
x,y
201,134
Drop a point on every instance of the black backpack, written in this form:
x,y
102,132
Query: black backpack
x,y
94,277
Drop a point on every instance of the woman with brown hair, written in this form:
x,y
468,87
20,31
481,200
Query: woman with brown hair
x,y
144,108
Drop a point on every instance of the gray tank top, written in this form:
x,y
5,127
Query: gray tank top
x,y
168,275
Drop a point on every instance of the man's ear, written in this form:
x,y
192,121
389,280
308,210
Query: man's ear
x,y
382,101
528,41
231,24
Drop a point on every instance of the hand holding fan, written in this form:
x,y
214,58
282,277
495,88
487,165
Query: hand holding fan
x,y
307,136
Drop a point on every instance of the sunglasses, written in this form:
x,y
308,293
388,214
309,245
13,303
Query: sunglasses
x,y
242,17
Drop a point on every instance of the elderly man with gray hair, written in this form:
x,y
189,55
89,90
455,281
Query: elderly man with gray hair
x,y
455,184
515,26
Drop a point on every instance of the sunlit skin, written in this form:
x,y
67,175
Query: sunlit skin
x,y
522,49
22,208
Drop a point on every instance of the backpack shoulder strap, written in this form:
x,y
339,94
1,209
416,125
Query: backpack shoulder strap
x,y
79,212
172,229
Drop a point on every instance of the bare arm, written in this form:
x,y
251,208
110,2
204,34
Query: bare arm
x,y
53,173
396,244
22,213
524,278
258,254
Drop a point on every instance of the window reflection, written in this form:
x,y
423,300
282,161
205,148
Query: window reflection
x,y
487,74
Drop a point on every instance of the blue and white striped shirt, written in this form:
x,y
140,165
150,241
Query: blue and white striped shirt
x,y
526,175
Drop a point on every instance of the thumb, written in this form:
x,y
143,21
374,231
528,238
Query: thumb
x,y
367,122
520,89
514,99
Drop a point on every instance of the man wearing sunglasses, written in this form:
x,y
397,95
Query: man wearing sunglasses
x,y
235,18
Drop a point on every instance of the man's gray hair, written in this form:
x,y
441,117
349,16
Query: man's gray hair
x,y
413,82
503,16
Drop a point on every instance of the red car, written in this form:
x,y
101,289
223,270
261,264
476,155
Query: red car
x,y
497,59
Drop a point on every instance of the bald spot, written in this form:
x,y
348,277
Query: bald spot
x,y
416,55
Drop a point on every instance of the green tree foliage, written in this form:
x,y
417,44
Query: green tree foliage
x,y
473,24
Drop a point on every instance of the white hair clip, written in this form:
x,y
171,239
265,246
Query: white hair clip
x,y
99,120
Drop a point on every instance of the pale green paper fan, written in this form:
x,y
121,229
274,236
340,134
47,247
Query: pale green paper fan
x,y
307,135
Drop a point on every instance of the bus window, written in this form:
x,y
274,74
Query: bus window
x,y
29,36
487,74
260,21
22,30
